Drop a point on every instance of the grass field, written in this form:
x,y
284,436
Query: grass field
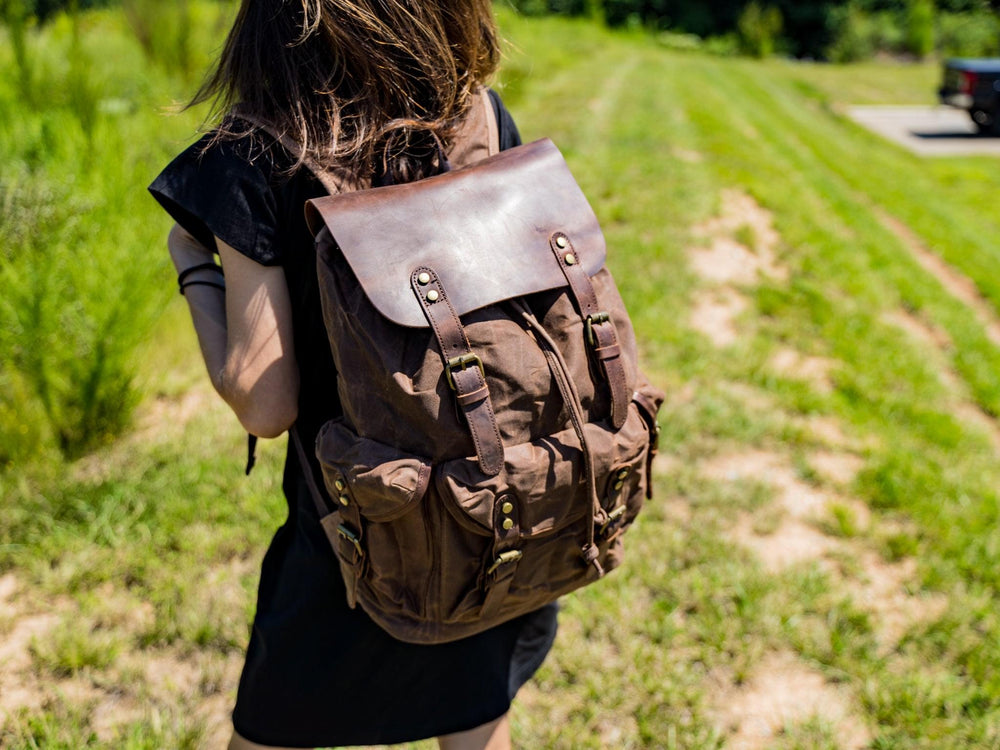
x,y
819,566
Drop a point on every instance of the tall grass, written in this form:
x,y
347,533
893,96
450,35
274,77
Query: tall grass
x,y
82,263
14,14
164,31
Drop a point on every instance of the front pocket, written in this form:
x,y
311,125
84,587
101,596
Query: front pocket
x,y
544,480
541,480
538,505
382,480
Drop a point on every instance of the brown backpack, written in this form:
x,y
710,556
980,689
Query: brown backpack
x,y
497,435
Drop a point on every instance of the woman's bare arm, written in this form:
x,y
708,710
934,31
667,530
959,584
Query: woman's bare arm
x,y
245,335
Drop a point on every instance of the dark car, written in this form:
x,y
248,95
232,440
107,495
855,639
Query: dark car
x,y
974,85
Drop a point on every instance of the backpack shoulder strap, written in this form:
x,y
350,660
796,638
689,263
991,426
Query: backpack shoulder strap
x,y
492,124
322,508
479,136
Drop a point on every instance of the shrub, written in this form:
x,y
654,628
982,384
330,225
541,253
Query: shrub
x,y
920,27
562,7
887,32
724,45
759,29
679,42
15,15
973,34
43,10
853,34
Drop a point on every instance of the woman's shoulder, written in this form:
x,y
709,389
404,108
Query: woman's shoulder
x,y
225,187
217,156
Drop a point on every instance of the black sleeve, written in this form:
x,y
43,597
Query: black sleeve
x,y
509,137
223,190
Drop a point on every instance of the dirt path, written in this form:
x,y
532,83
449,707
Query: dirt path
x,y
732,254
964,290
954,282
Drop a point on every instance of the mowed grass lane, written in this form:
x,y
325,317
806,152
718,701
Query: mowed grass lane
x,y
834,414
818,567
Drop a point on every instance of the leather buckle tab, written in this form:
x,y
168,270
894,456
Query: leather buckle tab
x,y
595,320
613,518
462,362
511,555
345,533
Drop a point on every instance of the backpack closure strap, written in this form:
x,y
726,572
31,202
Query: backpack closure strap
x,y
463,369
346,541
598,326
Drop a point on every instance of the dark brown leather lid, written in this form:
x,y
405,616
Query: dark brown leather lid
x,y
484,229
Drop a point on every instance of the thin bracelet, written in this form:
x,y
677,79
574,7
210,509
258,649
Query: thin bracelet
x,y
211,266
200,282
198,267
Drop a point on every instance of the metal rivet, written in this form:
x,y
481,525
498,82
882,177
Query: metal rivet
x,y
624,472
432,296
570,259
424,278
561,241
508,524
339,484
619,484
507,507
344,500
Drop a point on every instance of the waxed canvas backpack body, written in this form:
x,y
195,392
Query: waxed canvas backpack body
x,y
497,433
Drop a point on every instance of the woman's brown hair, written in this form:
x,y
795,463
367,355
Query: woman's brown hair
x,y
356,83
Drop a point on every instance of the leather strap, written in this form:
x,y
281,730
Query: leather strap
x,y
506,534
497,587
492,126
321,507
462,368
597,324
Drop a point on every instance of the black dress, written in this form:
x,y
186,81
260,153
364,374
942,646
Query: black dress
x,y
318,673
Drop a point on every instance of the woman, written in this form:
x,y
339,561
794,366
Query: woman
x,y
369,90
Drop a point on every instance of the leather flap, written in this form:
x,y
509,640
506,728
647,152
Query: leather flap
x,y
484,229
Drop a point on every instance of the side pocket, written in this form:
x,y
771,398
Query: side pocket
x,y
382,538
649,399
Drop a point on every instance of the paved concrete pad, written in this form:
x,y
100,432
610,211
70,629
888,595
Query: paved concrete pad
x,y
927,131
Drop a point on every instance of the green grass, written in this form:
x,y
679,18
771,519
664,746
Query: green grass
x,y
151,544
73,647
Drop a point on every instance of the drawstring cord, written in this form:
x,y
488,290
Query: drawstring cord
x,y
571,398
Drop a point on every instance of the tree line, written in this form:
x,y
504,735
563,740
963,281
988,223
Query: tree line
x,y
819,29
839,30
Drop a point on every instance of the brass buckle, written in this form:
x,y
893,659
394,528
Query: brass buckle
x,y
592,320
462,362
511,555
613,517
350,536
